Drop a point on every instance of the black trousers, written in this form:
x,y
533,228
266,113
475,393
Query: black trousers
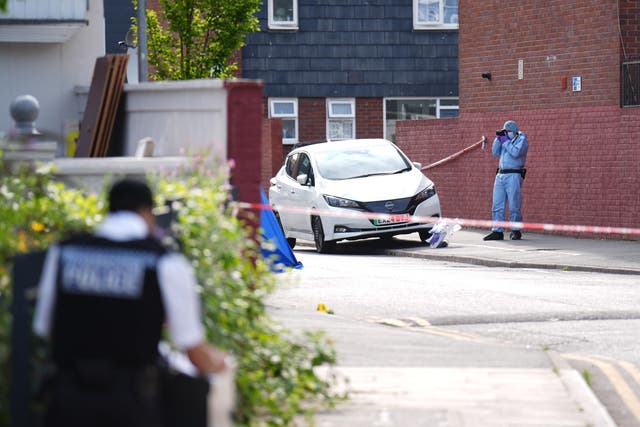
x,y
103,399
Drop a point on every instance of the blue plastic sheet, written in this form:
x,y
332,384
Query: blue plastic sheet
x,y
275,248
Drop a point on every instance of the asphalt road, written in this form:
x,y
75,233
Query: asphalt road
x,y
431,313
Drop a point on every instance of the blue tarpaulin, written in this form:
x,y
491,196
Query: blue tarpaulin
x,y
274,245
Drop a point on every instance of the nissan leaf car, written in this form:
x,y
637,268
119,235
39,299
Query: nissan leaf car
x,y
351,189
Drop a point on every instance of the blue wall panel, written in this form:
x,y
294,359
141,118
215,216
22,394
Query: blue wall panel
x,y
353,48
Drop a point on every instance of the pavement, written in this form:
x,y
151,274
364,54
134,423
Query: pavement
x,y
535,250
462,385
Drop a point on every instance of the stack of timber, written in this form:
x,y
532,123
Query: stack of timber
x,y
102,106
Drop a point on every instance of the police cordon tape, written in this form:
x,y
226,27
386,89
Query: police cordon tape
x,y
456,155
391,219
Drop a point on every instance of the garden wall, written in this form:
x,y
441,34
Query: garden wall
x,y
583,164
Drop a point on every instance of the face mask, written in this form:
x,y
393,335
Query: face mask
x,y
511,135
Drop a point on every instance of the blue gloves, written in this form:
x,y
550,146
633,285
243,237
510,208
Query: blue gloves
x,y
503,138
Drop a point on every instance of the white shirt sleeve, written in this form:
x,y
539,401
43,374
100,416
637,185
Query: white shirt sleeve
x,y
46,294
181,302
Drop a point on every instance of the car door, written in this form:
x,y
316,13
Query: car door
x,y
286,187
303,194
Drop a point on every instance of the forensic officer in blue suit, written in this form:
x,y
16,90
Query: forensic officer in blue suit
x,y
511,145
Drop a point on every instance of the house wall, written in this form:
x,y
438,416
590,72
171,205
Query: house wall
x,y
630,27
355,48
555,39
312,119
117,15
50,72
369,118
583,157
272,153
582,164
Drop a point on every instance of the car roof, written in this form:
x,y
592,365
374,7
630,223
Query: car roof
x,y
344,144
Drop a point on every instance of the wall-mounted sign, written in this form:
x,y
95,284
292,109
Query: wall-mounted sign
x,y
577,83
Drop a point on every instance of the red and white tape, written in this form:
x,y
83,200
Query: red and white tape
x,y
593,229
456,155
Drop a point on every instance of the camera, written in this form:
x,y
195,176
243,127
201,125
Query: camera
x,y
501,132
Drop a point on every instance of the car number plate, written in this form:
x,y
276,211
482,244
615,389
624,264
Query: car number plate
x,y
391,219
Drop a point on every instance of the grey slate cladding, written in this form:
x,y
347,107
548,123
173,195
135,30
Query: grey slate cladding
x,y
352,48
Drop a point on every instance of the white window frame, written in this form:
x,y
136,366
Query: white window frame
x,y
439,108
422,25
282,25
273,114
331,116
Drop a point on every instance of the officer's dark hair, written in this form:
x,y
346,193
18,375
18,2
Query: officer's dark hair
x,y
130,195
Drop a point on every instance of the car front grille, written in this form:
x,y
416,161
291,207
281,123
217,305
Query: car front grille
x,y
398,206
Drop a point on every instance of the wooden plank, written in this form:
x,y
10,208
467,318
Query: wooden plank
x,y
97,142
93,107
118,77
102,106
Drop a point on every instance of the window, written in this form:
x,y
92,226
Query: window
x,y
290,165
287,110
341,119
304,168
435,14
283,14
415,109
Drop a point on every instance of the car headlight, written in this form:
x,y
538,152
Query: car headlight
x,y
425,194
339,202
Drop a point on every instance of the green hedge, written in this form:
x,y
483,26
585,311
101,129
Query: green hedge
x,y
276,382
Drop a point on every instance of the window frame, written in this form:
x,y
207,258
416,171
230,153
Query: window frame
x,y
274,115
439,107
282,25
330,116
420,25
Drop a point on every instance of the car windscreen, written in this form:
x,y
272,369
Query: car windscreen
x,y
361,162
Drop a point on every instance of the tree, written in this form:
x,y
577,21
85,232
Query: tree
x,y
3,5
192,39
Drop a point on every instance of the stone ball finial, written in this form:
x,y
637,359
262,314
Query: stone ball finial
x,y
24,110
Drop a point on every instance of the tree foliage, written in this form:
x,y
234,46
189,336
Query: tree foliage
x,y
277,381
193,39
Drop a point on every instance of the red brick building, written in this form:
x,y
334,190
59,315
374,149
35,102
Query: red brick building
x,y
566,72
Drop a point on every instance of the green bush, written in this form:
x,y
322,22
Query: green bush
x,y
276,382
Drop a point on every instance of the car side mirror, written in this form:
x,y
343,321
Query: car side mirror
x,y
302,179
418,165
273,181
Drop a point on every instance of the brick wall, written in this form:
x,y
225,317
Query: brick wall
x,y
244,140
369,118
583,164
272,150
630,27
312,119
583,161
555,39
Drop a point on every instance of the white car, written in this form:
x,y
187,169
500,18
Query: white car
x,y
351,189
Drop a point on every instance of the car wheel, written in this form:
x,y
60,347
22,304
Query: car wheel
x,y
322,246
290,240
425,235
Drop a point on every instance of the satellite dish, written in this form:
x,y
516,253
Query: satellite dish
x,y
129,39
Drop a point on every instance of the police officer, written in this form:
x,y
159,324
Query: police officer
x,y
103,301
511,146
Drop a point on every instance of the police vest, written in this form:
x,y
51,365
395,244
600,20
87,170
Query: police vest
x,y
108,302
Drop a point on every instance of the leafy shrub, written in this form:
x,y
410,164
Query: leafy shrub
x,y
35,211
276,382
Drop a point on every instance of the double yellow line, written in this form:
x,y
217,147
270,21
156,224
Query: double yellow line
x,y
422,325
608,367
